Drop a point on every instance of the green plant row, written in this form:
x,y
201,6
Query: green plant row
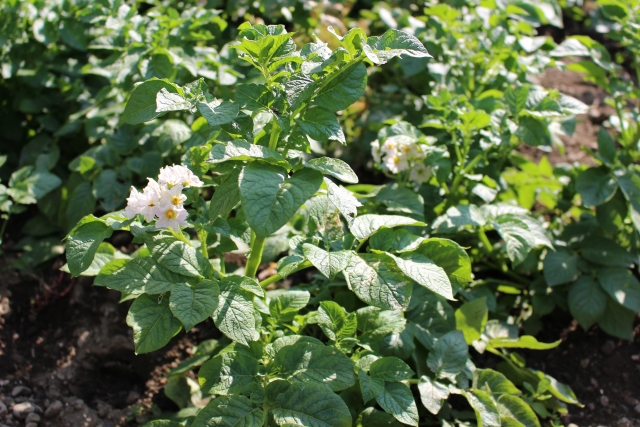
x,y
345,348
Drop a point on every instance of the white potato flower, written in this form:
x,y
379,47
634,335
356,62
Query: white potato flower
x,y
172,195
144,203
170,215
178,175
420,173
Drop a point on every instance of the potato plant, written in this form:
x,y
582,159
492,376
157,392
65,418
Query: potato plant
x,y
375,325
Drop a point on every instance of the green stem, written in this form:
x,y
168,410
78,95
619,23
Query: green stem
x,y
485,241
273,279
257,246
4,226
178,234
275,133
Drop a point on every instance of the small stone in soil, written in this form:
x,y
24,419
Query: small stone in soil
x,y
21,410
591,406
609,347
31,425
594,382
572,425
133,397
53,409
604,400
3,409
624,422
628,400
33,418
637,408
584,363
20,390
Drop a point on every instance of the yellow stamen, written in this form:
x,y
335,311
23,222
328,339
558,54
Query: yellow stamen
x,y
169,214
175,200
396,159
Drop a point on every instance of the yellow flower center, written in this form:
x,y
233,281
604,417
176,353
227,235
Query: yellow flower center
x,y
169,214
175,200
396,160
405,149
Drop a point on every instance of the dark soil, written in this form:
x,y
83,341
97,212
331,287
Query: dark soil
x,y
66,340
603,372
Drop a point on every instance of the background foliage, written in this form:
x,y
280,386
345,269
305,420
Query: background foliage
x,y
539,236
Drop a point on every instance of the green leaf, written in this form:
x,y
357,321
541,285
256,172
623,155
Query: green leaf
x,y
241,150
138,276
458,218
596,186
235,315
629,182
484,406
622,286
226,196
395,43
587,301
494,381
286,305
344,89
516,408
334,167
141,106
401,200
397,400
449,355
230,371
391,240
83,242
168,101
559,390
519,241
298,90
229,411
606,146
390,369
365,225
516,99
270,198
425,272
343,199
376,322
451,257
533,131
218,112
309,362
376,280
432,394
525,341
328,263
193,304
560,267
176,256
253,97
369,386
152,323
471,319
321,124
600,250
335,322
312,405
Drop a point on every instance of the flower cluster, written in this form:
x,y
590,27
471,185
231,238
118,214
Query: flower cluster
x,y
399,153
163,199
